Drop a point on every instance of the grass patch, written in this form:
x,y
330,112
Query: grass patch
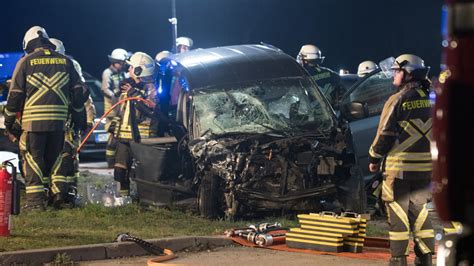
x,y
97,224
94,224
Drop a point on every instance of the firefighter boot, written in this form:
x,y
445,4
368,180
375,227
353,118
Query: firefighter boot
x,y
58,201
422,259
398,261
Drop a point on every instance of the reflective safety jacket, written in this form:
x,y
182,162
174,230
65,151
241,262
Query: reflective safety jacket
x,y
328,81
404,132
111,79
147,127
44,87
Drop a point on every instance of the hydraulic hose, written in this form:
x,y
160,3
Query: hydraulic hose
x,y
149,103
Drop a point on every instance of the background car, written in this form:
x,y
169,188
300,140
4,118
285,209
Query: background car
x,y
96,143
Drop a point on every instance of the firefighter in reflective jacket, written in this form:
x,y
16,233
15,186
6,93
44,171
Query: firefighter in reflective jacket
x,y
45,89
111,78
140,84
403,144
328,81
68,170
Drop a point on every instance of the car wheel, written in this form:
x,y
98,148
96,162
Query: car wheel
x,y
207,196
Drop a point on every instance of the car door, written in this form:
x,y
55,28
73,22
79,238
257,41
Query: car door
x,y
371,93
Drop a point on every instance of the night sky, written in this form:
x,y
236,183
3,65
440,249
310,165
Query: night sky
x,y
347,31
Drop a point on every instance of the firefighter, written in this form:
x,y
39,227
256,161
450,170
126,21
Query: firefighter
x,y
183,44
111,78
328,81
403,144
45,90
366,67
69,168
134,115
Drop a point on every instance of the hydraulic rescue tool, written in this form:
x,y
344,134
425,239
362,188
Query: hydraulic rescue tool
x,y
259,234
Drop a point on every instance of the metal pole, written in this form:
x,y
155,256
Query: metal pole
x,y
174,24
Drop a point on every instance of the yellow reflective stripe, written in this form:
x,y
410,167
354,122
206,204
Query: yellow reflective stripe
x,y
49,81
420,220
428,233
55,189
400,213
46,107
421,92
388,190
34,189
399,235
374,154
44,118
8,113
34,166
330,239
422,167
59,178
315,242
42,90
110,152
423,247
70,179
410,156
54,83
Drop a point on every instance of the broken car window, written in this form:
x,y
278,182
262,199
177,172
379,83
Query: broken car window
x,y
261,107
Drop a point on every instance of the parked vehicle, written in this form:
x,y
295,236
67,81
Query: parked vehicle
x,y
97,142
256,136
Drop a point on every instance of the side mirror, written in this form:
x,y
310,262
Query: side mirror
x,y
355,111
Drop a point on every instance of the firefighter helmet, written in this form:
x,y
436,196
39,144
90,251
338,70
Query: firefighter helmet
x,y
33,33
411,64
118,55
142,65
161,55
310,52
59,45
184,41
366,67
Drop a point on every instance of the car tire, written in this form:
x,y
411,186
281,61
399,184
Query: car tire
x,y
207,196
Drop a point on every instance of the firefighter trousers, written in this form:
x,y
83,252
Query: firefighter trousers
x,y
407,213
65,175
41,153
110,151
123,164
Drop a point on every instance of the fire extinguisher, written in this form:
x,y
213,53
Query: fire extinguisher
x,y
9,196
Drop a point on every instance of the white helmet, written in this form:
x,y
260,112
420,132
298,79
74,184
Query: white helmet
x,y
184,41
118,54
310,52
143,65
161,55
59,45
33,33
412,64
366,67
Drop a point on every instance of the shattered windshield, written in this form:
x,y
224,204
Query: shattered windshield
x,y
278,105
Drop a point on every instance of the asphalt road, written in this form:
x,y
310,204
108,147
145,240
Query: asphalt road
x,y
244,256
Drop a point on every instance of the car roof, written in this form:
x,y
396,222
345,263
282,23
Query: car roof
x,y
235,64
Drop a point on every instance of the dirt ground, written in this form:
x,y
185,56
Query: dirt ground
x,y
238,256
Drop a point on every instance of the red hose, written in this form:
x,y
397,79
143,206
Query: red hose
x,y
149,103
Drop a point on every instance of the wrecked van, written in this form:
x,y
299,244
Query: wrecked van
x,y
252,134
